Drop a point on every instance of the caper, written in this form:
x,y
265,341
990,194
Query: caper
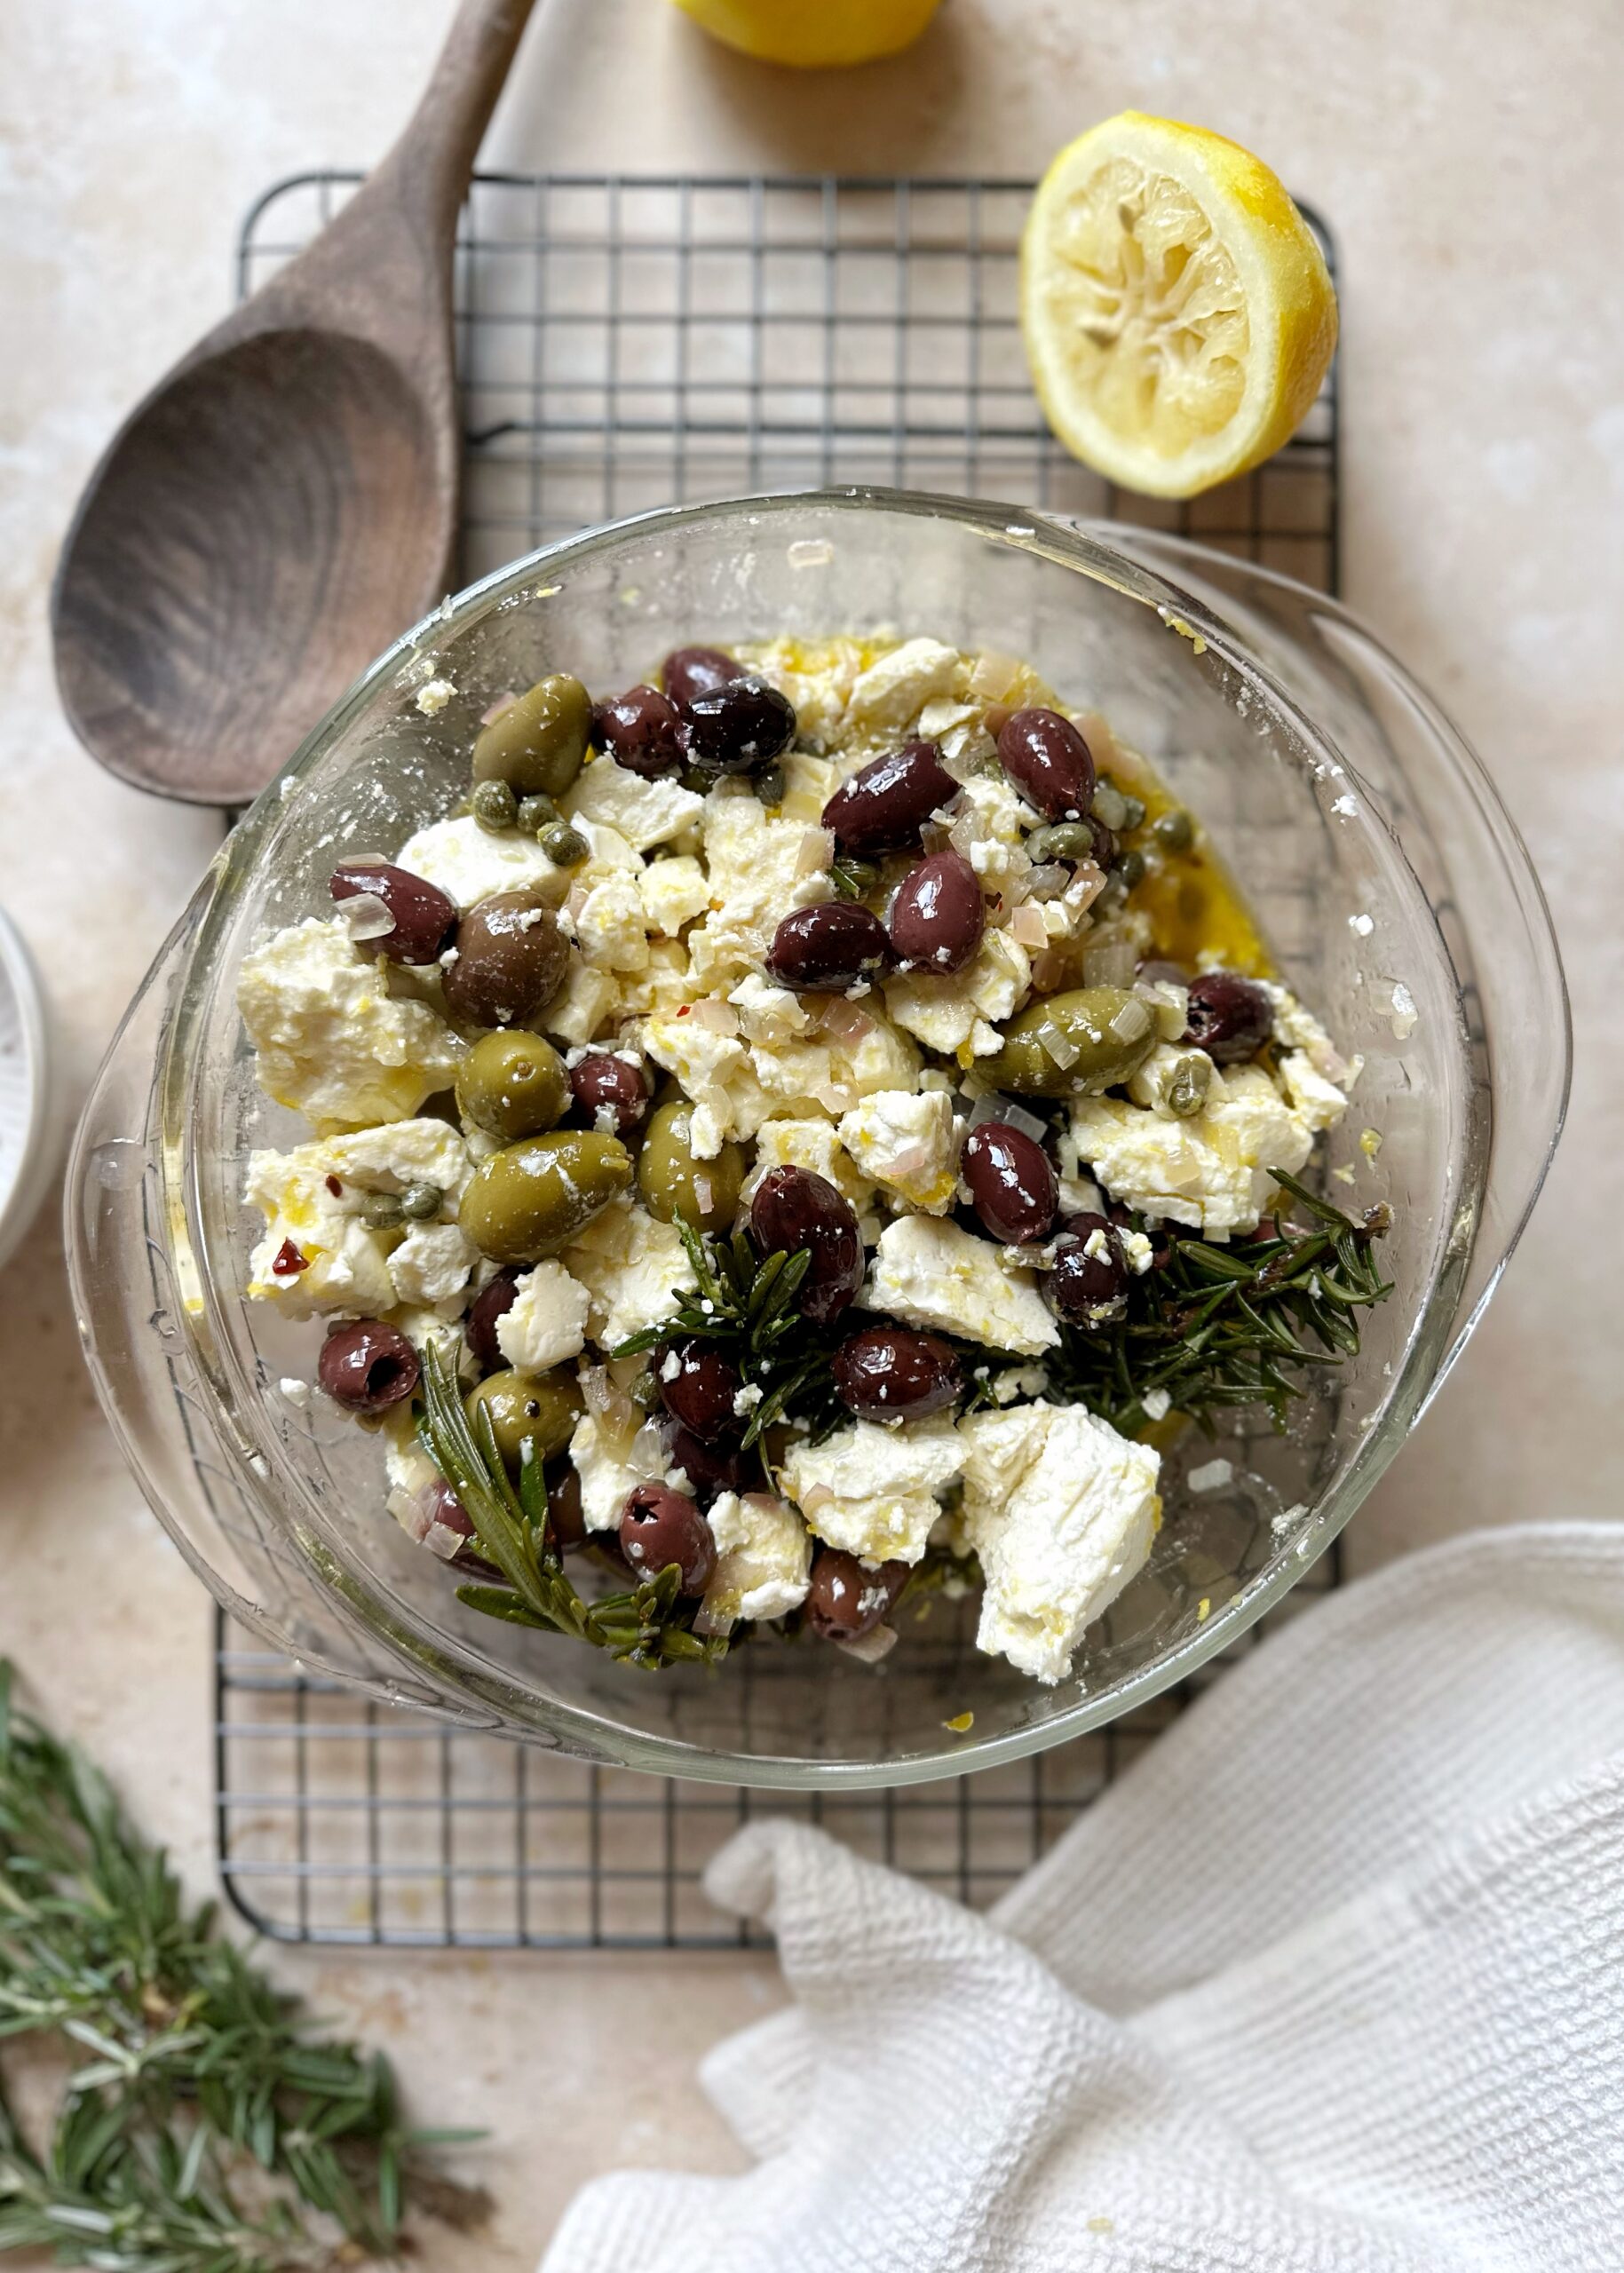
x,y
1130,870
769,784
381,1211
513,1084
1062,840
564,847
644,1390
538,1409
420,1203
705,1194
537,744
531,1199
1175,830
536,815
1134,810
1071,1045
1187,1090
692,777
1110,805
854,879
494,806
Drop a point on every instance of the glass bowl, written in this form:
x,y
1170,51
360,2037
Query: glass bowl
x,y
1392,886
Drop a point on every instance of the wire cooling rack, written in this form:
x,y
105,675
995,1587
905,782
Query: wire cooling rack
x,y
626,343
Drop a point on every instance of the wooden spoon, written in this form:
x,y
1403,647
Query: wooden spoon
x,y
284,503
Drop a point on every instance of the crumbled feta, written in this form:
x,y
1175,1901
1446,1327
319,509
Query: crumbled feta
x,y
820,685
945,1011
607,848
809,784
633,1266
610,926
1060,1511
1157,1404
907,1141
432,1265
1297,1028
338,1263
663,985
768,1014
583,1005
674,890
333,1042
754,864
407,1465
1137,1252
994,820
643,813
547,1321
611,1465
714,1072
434,695
1212,1477
875,1492
469,863
1211,1171
929,1274
893,691
814,1144
763,1558
1317,1103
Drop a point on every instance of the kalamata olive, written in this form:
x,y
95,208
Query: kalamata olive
x,y
639,729
513,1084
1072,1045
794,1208
846,1599
424,915
700,1392
446,1509
672,1182
605,1084
531,1198
485,1313
510,961
1049,762
894,1375
828,947
1231,1018
1088,1285
938,916
540,1410
735,728
565,1518
883,808
660,1526
536,744
1012,1182
366,1365
698,671
712,1468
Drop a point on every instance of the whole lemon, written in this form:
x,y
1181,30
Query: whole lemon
x,y
813,35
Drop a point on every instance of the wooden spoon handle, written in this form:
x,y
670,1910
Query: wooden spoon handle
x,y
428,169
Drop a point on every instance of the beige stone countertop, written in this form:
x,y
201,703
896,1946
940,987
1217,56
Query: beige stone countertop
x,y
1464,152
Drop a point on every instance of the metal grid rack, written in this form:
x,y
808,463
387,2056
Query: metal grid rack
x,y
626,343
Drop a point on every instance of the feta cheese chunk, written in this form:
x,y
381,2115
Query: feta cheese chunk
x,y
674,891
469,863
754,864
1297,1028
1061,1511
432,1266
947,1011
907,1142
818,678
633,1267
312,1199
333,1042
875,1492
611,1466
769,1014
763,1558
893,691
814,1144
714,1072
643,812
582,1006
610,927
547,1321
996,819
1210,1171
928,1272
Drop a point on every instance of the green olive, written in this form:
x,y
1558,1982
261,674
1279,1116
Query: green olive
x,y
531,1199
705,1194
513,1084
1104,1033
538,1408
537,744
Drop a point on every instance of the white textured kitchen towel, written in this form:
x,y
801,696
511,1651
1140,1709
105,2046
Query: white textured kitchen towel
x,y
1334,1979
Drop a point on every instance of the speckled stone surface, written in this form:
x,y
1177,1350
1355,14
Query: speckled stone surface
x,y
1462,152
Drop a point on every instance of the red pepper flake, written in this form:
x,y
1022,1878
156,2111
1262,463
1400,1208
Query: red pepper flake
x,y
684,1011
335,1187
289,1262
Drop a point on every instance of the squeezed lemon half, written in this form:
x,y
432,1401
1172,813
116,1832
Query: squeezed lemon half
x,y
1177,313
813,35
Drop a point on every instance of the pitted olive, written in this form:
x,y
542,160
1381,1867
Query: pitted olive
x,y
1072,1045
531,1199
537,744
510,961
538,1409
705,1194
513,1084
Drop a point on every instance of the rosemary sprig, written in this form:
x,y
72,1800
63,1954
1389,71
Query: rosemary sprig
x,y
646,1625
190,2068
1221,1327
748,1305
